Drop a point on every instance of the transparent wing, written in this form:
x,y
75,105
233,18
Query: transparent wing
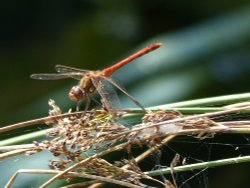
x,y
108,95
75,75
125,92
67,69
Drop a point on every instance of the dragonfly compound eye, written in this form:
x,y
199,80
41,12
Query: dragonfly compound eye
x,y
76,94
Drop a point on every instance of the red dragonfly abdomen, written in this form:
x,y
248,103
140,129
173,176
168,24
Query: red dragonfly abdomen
x,y
110,70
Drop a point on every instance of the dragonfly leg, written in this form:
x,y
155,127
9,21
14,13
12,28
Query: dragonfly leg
x,y
78,106
87,103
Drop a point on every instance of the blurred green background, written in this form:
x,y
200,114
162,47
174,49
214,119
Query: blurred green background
x,y
206,51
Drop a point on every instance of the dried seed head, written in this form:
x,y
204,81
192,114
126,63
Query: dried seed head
x,y
76,134
157,131
160,116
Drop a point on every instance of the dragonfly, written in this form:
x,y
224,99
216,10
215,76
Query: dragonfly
x,y
91,82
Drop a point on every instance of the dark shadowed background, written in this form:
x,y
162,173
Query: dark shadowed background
x,y
205,53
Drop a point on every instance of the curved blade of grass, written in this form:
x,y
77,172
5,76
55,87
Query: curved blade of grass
x,y
198,105
23,138
211,101
202,165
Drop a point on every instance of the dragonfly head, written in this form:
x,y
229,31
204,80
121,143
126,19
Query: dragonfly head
x,y
76,94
